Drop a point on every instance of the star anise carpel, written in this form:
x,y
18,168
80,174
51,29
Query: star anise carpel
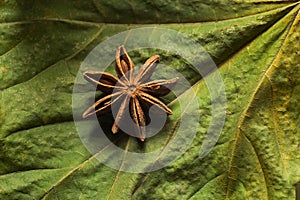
x,y
128,92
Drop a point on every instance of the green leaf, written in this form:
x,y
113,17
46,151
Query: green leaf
x,y
255,45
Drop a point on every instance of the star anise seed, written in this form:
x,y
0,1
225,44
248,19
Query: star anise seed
x,y
129,90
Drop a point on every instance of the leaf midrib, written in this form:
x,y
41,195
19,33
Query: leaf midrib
x,y
244,113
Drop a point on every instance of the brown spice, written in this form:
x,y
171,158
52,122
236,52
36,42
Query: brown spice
x,y
129,90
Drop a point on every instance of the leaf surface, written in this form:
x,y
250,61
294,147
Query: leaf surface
x,y
255,45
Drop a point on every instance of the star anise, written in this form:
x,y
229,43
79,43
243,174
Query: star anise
x,y
129,92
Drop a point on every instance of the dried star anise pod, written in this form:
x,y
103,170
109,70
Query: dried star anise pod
x,y
129,92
